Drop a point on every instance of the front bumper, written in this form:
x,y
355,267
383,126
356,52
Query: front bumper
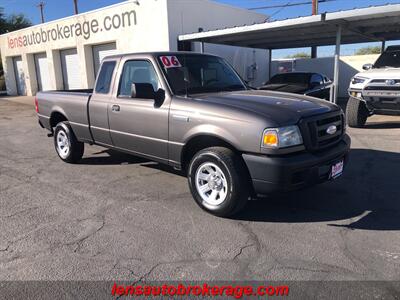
x,y
380,102
272,174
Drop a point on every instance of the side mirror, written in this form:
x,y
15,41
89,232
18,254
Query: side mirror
x,y
142,90
159,97
367,67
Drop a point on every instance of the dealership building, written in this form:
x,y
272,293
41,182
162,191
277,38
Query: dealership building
x,y
66,53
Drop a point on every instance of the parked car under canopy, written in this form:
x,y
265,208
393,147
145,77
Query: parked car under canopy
x,y
307,83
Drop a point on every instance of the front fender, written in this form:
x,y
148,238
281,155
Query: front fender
x,y
214,131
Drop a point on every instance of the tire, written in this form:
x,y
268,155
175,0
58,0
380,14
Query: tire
x,y
68,148
228,191
356,113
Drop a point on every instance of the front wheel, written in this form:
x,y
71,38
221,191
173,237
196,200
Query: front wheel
x,y
356,113
68,148
219,181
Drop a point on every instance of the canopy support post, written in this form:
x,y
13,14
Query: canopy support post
x,y
201,47
337,63
269,63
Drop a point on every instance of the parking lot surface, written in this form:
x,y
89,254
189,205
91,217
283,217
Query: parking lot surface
x,y
114,216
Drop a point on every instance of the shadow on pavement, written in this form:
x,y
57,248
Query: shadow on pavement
x,y
368,193
382,125
111,157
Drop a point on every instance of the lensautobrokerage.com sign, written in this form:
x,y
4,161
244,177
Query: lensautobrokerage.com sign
x,y
77,29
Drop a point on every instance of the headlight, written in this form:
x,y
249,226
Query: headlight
x,y
356,80
281,137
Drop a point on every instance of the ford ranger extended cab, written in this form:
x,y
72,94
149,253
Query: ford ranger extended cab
x,y
377,90
193,112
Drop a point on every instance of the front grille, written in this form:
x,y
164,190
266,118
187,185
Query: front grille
x,y
384,80
314,130
383,88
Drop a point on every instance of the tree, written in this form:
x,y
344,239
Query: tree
x,y
12,22
299,55
368,50
8,24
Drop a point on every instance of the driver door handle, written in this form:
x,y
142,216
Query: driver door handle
x,y
115,108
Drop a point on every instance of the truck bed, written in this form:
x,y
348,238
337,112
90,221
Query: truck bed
x,y
79,91
73,104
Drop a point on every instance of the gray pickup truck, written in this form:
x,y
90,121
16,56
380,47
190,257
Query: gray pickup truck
x,y
193,112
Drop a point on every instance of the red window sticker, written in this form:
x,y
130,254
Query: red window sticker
x,y
170,62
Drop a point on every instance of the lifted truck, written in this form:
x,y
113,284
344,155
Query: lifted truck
x,y
377,90
193,112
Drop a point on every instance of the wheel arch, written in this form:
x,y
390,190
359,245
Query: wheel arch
x,y
57,117
202,141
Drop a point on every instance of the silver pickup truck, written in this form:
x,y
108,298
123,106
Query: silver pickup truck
x,y
193,112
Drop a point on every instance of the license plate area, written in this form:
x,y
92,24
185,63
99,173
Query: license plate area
x,y
337,169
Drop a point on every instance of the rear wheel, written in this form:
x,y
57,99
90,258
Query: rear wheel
x,y
356,113
68,148
218,181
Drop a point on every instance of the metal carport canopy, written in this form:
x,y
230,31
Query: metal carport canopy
x,y
378,23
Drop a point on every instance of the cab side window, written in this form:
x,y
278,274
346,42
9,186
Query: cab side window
x,y
137,71
316,79
105,77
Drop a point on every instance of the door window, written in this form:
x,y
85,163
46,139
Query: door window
x,y
137,71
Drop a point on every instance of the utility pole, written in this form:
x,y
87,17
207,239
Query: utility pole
x,y
76,6
315,7
314,12
41,7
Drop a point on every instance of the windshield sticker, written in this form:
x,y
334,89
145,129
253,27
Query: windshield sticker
x,y
170,62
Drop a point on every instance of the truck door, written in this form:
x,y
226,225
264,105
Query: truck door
x,y
98,103
139,125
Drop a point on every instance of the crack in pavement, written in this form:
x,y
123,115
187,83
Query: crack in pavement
x,y
19,212
241,250
91,231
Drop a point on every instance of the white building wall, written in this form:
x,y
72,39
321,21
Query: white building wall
x,y
134,26
189,16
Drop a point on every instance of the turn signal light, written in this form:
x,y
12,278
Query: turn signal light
x,y
271,139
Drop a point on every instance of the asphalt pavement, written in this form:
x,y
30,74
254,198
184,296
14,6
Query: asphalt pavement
x,y
115,216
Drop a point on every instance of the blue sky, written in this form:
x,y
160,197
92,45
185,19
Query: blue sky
x,y
56,9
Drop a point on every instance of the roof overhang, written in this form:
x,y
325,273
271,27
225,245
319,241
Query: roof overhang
x,y
379,23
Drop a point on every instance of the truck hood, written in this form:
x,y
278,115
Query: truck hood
x,y
388,73
282,108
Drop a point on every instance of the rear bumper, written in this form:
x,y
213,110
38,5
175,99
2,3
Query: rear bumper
x,y
271,174
44,122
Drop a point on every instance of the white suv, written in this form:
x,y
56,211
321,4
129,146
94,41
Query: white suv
x,y
376,90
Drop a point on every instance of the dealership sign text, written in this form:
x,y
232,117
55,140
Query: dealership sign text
x,y
84,29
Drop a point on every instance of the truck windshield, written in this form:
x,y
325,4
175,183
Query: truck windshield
x,y
388,59
196,74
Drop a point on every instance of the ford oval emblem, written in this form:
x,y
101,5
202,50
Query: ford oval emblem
x,y
331,129
390,82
